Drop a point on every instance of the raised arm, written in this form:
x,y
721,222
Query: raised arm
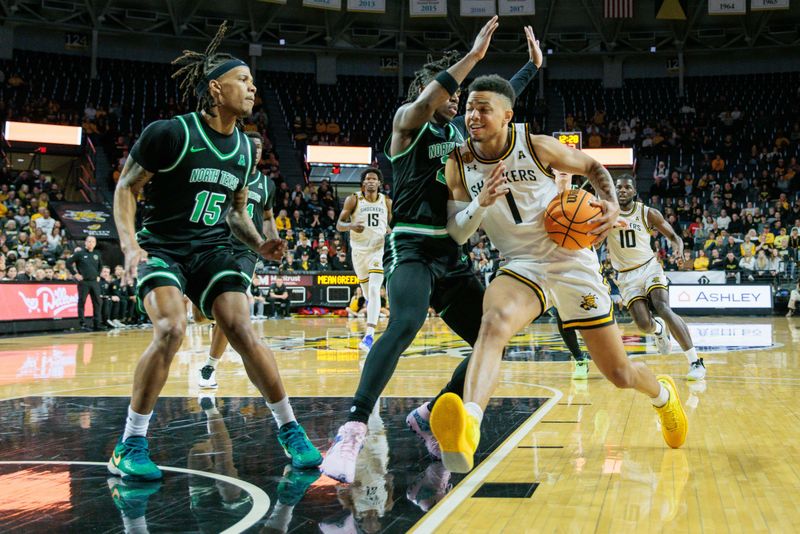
x,y
410,117
523,77
566,159
131,182
343,224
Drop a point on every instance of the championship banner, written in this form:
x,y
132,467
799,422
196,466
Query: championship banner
x,y
696,277
767,5
427,8
366,6
478,8
335,5
84,220
516,7
727,7
24,301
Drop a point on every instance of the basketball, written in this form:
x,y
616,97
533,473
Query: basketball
x,y
567,219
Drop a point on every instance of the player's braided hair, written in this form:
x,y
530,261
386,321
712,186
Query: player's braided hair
x,y
428,72
195,65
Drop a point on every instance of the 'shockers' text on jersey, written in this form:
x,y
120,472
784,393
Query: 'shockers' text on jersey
x,y
215,176
516,175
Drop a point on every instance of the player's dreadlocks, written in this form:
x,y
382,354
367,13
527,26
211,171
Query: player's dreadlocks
x,y
428,72
196,71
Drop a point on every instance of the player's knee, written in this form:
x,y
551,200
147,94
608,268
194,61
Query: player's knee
x,y
494,324
405,327
662,308
622,376
169,332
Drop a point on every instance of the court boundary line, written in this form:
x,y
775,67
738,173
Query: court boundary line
x,y
261,501
464,490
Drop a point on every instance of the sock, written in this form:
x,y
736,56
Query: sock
x,y
212,361
691,355
136,424
474,410
370,330
282,411
374,298
663,397
659,328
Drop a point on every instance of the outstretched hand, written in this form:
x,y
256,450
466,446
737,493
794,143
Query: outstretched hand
x,y
605,222
272,249
534,52
494,188
481,45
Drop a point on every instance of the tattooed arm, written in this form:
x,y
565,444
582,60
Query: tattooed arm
x,y
241,224
554,154
131,182
245,231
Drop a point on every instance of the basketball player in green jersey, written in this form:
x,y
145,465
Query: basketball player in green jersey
x,y
260,198
194,171
424,266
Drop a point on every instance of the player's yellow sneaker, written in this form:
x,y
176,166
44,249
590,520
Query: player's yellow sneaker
x,y
457,432
674,424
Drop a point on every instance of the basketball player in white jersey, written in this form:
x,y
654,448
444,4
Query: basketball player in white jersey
x,y
641,279
502,180
366,216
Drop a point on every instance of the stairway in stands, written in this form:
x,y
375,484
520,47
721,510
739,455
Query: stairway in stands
x,y
281,137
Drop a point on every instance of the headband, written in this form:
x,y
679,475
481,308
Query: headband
x,y
202,87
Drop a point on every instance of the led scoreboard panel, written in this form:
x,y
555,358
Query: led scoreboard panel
x,y
571,139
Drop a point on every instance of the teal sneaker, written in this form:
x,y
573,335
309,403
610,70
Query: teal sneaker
x,y
131,460
130,497
298,447
295,483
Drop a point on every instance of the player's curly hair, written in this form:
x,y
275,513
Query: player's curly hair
x,y
195,65
428,72
494,84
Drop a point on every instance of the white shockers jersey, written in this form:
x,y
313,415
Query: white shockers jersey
x,y
375,216
514,223
629,248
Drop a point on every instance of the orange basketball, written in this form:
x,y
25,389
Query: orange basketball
x,y
567,219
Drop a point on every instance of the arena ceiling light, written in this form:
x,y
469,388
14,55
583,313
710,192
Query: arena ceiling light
x,y
343,155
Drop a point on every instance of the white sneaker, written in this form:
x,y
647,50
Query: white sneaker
x,y
697,370
208,377
340,462
663,341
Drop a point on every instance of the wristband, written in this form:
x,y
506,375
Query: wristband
x,y
447,81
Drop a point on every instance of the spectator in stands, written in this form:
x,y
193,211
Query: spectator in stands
x,y
357,308
717,262
323,264
10,274
701,261
688,263
289,263
282,221
747,265
306,263
341,262
747,248
794,298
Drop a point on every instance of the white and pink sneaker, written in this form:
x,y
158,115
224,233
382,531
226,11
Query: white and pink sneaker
x,y
419,423
340,462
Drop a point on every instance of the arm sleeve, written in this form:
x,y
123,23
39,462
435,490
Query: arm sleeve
x,y
271,189
523,77
463,219
159,146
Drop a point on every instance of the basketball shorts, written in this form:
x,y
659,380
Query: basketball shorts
x,y
246,260
202,275
572,284
366,262
638,283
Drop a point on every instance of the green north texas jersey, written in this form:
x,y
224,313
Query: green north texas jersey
x,y
419,204
260,197
188,201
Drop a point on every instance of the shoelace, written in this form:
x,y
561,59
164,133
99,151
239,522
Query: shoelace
x,y
296,439
351,444
698,363
206,372
138,452
669,419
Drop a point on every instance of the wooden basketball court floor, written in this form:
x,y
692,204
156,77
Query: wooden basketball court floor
x,y
555,456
